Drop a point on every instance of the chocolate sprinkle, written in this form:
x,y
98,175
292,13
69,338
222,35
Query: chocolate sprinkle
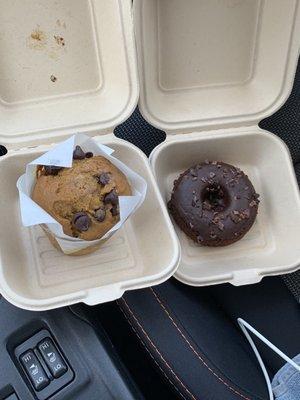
x,y
81,221
206,206
221,226
200,239
235,217
245,214
253,203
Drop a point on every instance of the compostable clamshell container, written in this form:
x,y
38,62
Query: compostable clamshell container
x,y
209,72
70,66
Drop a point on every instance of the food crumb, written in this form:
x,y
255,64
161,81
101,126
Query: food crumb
x,y
53,78
38,35
59,40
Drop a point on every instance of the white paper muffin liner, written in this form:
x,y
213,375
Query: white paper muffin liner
x,y
62,156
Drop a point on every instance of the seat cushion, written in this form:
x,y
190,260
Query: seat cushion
x,y
194,343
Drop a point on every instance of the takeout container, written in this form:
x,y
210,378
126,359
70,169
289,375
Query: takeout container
x,y
209,72
96,88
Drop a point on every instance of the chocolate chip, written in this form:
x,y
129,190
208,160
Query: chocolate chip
x,y
81,221
51,170
115,211
104,178
111,198
100,214
89,154
78,153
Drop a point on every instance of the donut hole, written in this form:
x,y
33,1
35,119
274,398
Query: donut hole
x,y
215,197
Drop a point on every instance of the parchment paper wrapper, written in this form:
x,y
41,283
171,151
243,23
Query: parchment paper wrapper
x,y
62,156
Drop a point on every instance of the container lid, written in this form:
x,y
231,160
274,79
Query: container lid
x,y
212,64
65,67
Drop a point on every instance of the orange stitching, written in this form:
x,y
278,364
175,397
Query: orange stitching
x,y
148,351
156,349
195,351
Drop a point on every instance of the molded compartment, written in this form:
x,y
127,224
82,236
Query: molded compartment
x,y
208,69
214,63
34,275
88,46
272,244
66,66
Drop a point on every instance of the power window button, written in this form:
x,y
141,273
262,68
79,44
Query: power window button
x,y
52,358
34,370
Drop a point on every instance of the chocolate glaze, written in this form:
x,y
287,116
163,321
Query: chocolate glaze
x,y
214,203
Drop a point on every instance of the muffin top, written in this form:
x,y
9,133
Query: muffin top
x,y
83,198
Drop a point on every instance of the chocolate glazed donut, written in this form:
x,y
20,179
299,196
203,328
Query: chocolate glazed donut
x,y
214,203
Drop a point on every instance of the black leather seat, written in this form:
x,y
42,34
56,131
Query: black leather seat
x,y
192,336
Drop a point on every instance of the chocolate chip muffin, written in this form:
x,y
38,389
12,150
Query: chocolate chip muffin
x,y
214,203
84,199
